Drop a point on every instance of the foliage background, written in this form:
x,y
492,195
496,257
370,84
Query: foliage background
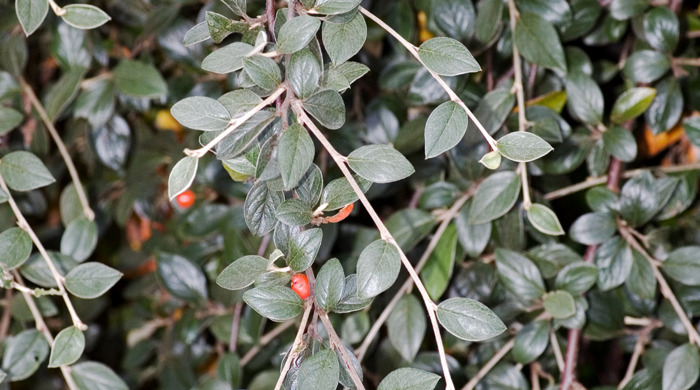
x,y
168,325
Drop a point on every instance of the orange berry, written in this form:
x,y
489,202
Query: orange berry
x,y
300,285
186,199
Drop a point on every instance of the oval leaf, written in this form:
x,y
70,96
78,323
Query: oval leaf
x,y
444,129
274,302
67,347
296,33
380,163
632,103
447,57
15,248
80,239
494,197
201,113
327,107
90,280
409,379
681,368
242,272
522,146
23,171
319,372
469,320
377,268
538,42
544,220
182,176
84,16
295,153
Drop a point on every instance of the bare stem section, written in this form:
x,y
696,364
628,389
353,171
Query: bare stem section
x,y
87,211
340,160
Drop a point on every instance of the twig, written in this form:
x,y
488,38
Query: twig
x,y
693,336
414,51
293,351
24,225
489,365
557,351
384,233
56,8
340,347
406,287
233,340
270,15
87,211
265,339
592,182
41,327
637,352
234,124
6,315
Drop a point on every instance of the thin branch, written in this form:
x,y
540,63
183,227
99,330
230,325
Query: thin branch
x,y
294,350
414,51
557,351
637,352
234,124
6,315
340,160
87,211
270,15
693,336
56,8
340,347
406,287
592,182
41,327
489,365
235,324
24,225
265,339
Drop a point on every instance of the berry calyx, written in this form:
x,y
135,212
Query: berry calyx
x,y
300,285
186,199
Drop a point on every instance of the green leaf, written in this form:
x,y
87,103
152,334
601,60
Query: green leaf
x,y
351,301
661,29
310,186
319,372
593,228
15,248
96,376
454,17
139,79
36,271
377,268
473,238
683,265
31,13
620,142
67,347
666,109
23,171
469,320
584,98
488,19
296,33
227,59
632,103
90,280
519,275
522,146
538,42
198,33
242,272
560,304
445,128
645,66
437,272
63,92
330,284
447,57
304,73
327,107
201,113
407,326
275,302
681,368
294,212
84,16
96,103
380,163
494,197
531,341
9,119
260,208
335,7
80,239
338,193
23,353
182,176
182,277
554,11
576,278
641,279
303,249
409,379
237,6
625,9
219,26
642,197
614,261
343,40
544,220
295,153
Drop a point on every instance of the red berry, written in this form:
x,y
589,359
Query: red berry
x,y
186,199
300,285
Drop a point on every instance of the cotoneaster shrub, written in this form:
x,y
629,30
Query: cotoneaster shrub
x,y
320,194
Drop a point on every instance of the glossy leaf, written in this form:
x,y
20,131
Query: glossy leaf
x,y
519,275
494,197
181,277
330,284
593,228
560,304
295,153
620,143
531,341
303,249
538,42
632,103
445,128
242,272
447,57
469,320
377,268
544,220
338,193
379,163
683,264
576,278
263,71
407,326
661,29
139,79
585,99
261,207
304,73
681,368
523,146
23,171
274,302
437,272
294,212
80,239
645,66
